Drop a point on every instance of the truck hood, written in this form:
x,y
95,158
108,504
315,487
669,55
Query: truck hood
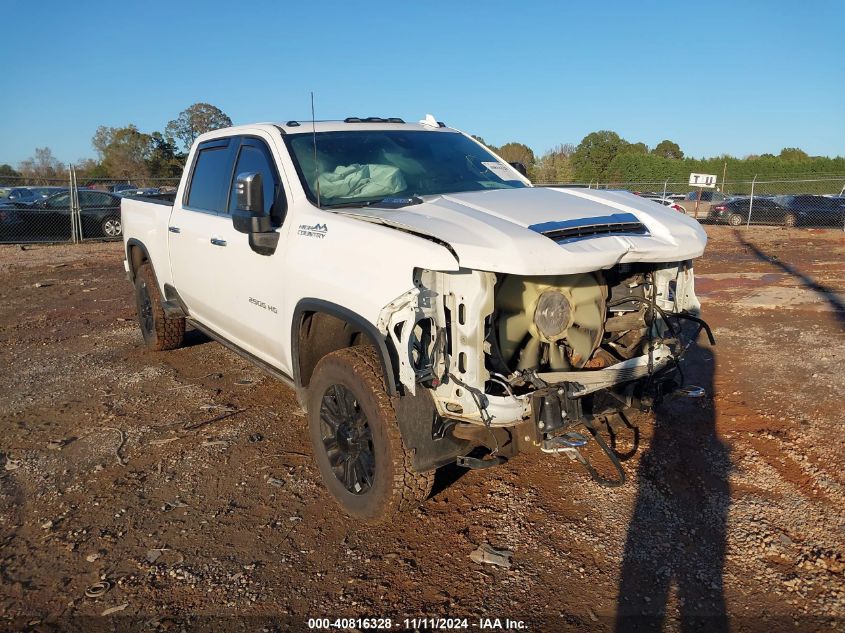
x,y
510,230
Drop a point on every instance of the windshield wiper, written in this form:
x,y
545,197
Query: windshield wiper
x,y
391,202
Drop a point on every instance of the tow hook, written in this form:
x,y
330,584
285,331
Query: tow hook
x,y
569,443
474,463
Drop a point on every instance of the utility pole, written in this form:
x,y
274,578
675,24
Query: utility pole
x,y
724,171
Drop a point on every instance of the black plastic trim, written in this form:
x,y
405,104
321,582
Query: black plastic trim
x,y
129,244
262,365
387,354
173,305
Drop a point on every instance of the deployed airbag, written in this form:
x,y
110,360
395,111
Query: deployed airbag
x,y
361,181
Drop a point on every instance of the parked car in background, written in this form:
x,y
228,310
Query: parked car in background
x,y
17,194
667,202
813,210
699,207
144,191
121,187
46,192
10,221
764,211
49,219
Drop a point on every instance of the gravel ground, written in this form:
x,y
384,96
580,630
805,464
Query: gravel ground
x,y
733,514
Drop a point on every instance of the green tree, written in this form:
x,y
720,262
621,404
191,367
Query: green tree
x,y
165,161
88,168
517,153
195,120
483,142
594,154
123,151
555,166
634,148
668,149
7,171
793,153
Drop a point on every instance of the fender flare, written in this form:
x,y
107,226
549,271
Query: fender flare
x,y
129,244
383,346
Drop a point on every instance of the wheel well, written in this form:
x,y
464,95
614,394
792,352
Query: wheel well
x,y
137,256
318,333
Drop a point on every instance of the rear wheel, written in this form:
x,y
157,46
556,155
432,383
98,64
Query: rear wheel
x,y
735,219
160,332
111,227
355,435
790,220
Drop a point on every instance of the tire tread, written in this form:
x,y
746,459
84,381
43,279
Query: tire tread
x,y
169,332
410,488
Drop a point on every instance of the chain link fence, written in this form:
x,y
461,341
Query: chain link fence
x,y
792,202
71,209
75,208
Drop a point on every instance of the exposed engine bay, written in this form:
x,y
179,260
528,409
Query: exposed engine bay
x,y
485,342
534,357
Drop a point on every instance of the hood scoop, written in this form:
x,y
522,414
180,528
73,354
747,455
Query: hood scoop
x,y
582,228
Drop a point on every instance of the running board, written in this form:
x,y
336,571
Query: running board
x,y
264,366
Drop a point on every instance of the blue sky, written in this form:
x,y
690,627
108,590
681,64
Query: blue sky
x,y
735,77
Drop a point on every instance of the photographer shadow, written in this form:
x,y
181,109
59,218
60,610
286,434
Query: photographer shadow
x,y
677,533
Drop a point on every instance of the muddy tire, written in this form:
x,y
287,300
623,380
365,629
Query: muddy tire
x,y
356,439
735,220
790,220
160,332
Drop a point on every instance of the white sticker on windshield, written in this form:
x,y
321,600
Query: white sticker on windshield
x,y
502,171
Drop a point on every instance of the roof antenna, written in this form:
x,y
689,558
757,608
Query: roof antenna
x,y
314,140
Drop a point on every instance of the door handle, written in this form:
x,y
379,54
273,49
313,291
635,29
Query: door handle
x,y
174,229
216,241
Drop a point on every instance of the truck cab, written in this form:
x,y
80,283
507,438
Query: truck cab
x,y
426,302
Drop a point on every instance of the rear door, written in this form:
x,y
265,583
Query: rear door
x,y
194,232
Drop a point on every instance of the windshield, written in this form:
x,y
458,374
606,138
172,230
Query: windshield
x,y
365,166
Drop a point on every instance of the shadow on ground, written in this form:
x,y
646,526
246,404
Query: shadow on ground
x,y
677,535
825,292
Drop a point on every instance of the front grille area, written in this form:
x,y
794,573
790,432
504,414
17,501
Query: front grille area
x,y
615,224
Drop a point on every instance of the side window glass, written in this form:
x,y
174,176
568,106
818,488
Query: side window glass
x,y
60,202
255,159
210,180
90,199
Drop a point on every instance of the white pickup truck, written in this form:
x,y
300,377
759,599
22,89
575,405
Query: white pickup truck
x,y
426,302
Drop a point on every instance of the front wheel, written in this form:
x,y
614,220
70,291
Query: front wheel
x,y
735,220
355,435
111,227
790,220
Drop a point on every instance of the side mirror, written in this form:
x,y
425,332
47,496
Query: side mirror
x,y
520,168
250,218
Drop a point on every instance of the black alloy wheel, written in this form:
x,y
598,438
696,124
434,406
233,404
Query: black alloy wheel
x,y
347,439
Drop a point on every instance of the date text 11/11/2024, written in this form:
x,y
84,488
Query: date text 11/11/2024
x,y
434,624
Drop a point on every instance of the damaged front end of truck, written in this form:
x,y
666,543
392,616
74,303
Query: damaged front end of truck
x,y
516,362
